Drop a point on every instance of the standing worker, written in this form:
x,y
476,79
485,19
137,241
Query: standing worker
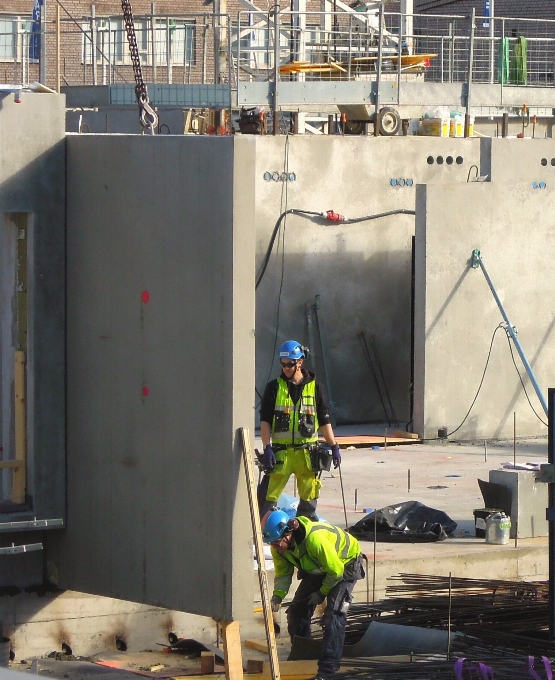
x,y
293,408
329,562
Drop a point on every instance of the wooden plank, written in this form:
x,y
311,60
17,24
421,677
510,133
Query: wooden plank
x,y
293,668
254,666
18,482
207,662
248,458
405,435
259,645
11,463
232,648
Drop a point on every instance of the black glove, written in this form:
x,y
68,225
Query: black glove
x,y
275,602
316,598
335,456
268,458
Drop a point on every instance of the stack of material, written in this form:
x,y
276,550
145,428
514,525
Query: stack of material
x,y
502,625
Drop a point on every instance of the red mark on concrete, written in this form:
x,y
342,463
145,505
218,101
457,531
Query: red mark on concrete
x,y
145,296
145,391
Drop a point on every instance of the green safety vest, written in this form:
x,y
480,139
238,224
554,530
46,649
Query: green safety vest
x,y
292,420
326,549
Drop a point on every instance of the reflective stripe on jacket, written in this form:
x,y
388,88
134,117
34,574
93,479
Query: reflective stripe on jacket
x,y
301,413
326,549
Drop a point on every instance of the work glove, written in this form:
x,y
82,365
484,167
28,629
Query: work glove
x,y
315,598
268,458
275,602
335,456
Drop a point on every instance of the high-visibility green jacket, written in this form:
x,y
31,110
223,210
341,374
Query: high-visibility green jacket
x,y
326,549
295,424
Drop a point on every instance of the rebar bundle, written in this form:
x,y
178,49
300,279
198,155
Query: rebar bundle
x,y
502,624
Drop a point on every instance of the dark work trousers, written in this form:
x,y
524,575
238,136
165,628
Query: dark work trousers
x,y
300,613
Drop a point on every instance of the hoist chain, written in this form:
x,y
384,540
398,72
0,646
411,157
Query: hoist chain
x,y
148,117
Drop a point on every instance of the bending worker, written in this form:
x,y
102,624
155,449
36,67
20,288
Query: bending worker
x,y
293,408
329,563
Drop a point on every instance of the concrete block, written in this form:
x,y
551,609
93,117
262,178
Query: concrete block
x,y
529,502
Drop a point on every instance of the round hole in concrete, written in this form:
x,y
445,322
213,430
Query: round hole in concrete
x,y
544,161
430,160
542,185
449,160
439,160
267,176
121,645
410,182
393,182
553,161
66,649
460,160
534,185
401,182
172,638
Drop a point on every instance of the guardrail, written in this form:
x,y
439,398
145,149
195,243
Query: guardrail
x,y
381,51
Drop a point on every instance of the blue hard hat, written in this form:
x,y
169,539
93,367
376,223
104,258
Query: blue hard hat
x,y
275,526
292,350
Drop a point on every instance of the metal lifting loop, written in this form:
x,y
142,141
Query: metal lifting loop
x,y
148,117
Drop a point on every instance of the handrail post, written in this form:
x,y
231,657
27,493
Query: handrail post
x,y
378,74
477,261
275,110
469,73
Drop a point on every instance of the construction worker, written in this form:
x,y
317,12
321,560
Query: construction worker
x,y
329,562
293,408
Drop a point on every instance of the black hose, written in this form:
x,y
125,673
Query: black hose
x,y
273,238
295,211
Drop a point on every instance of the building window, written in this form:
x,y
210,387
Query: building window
x,y
15,39
173,37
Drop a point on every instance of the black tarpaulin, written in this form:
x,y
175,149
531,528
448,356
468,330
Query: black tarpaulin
x,y
408,522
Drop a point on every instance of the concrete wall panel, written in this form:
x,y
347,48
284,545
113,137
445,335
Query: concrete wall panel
x,y
160,372
456,314
524,160
32,182
362,272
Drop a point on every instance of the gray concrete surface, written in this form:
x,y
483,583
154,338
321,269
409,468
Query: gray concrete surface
x,y
529,501
32,186
122,120
362,272
157,387
443,476
456,314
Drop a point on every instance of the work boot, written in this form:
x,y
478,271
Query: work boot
x,y
307,509
266,507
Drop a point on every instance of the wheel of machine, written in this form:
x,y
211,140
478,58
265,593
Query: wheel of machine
x,y
354,127
389,121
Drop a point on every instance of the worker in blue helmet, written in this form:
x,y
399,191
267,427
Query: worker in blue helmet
x,y
329,562
293,409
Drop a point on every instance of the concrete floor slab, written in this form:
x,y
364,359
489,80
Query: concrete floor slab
x,y
380,478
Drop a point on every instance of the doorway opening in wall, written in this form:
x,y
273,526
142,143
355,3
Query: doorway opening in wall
x,y
15,351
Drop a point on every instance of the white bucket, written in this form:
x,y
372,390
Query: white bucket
x,y
498,528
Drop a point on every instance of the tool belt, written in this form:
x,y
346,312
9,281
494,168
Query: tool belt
x,y
320,458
